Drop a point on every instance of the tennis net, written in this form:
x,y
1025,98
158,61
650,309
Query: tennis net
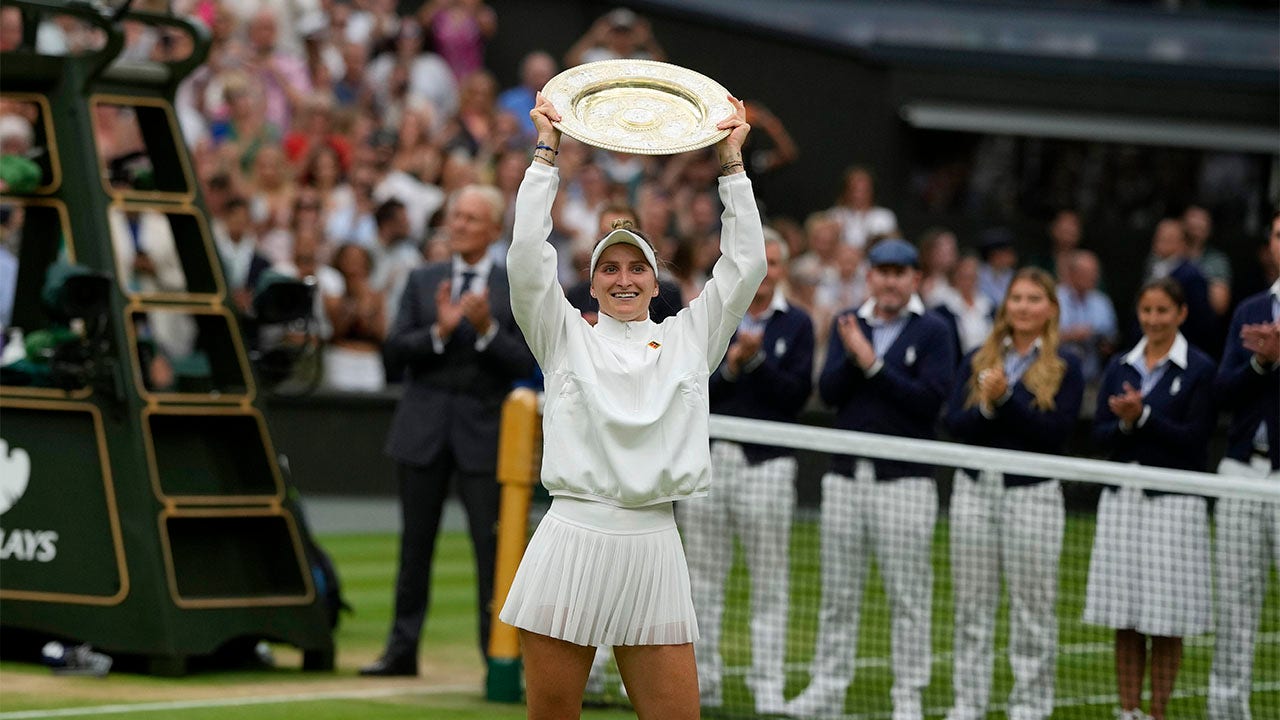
x,y
843,574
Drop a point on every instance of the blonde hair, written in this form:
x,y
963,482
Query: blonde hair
x,y
1044,377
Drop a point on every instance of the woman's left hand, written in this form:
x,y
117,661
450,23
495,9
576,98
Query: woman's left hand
x,y
730,148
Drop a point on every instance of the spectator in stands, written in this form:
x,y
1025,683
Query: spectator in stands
x,y
11,29
1089,329
1064,239
781,149
420,199
620,33
1149,572
939,252
626,435
456,342
535,70
888,369
245,129
459,30
1212,262
277,245
238,247
969,310
1017,391
1170,257
413,76
353,357
395,255
271,190
843,285
766,375
860,218
1248,384
314,129
353,90
282,75
822,237
999,260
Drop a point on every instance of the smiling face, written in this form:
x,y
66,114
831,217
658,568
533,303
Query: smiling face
x,y
1028,307
1160,316
624,283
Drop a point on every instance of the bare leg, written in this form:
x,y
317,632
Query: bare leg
x,y
1131,667
1166,657
661,680
555,676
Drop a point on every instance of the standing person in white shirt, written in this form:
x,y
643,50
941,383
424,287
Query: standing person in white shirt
x,y
860,218
625,433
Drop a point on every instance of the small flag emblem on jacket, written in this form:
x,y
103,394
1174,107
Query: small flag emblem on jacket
x,y
655,344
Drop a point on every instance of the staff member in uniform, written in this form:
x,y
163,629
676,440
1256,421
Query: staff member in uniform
x,y
625,433
888,369
1149,570
1021,392
766,374
1248,534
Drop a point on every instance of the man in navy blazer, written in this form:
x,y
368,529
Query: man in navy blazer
x,y
888,370
461,351
1248,536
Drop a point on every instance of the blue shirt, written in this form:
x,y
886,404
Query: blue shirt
x,y
1095,311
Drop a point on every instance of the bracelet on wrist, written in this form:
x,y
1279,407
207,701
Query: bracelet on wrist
x,y
730,166
550,163
544,146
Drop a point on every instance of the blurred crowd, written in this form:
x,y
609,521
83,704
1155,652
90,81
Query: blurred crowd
x,y
328,136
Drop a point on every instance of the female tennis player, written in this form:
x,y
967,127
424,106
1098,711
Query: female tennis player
x,y
625,430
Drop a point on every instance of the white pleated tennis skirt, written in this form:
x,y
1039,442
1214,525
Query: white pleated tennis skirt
x,y
596,574
1150,570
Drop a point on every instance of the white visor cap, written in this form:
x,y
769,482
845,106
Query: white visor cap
x,y
623,235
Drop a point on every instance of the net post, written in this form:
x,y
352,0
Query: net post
x,y
518,455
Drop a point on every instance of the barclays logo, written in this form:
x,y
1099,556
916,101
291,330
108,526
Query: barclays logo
x,y
15,474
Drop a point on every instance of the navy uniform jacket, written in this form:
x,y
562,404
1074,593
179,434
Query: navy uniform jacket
x,y
902,399
1252,396
775,389
1176,432
452,402
1018,424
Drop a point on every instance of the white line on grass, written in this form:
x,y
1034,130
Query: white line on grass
x,y
234,702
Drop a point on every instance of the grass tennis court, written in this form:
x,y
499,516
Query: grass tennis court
x,y
452,673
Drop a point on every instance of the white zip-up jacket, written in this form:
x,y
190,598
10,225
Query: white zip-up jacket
x,y
626,412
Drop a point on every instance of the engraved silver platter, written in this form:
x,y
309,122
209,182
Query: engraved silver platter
x,y
641,107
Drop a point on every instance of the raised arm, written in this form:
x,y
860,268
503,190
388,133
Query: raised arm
x,y
741,267
537,301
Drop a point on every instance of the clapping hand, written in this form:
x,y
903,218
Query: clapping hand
x,y
744,347
1126,405
992,385
448,312
475,307
855,342
1263,340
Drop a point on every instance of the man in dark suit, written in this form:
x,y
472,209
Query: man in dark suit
x,y
460,349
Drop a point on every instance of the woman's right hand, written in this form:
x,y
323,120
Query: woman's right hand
x,y
544,117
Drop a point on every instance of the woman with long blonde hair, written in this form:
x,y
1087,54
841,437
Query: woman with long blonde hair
x,y
1018,391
